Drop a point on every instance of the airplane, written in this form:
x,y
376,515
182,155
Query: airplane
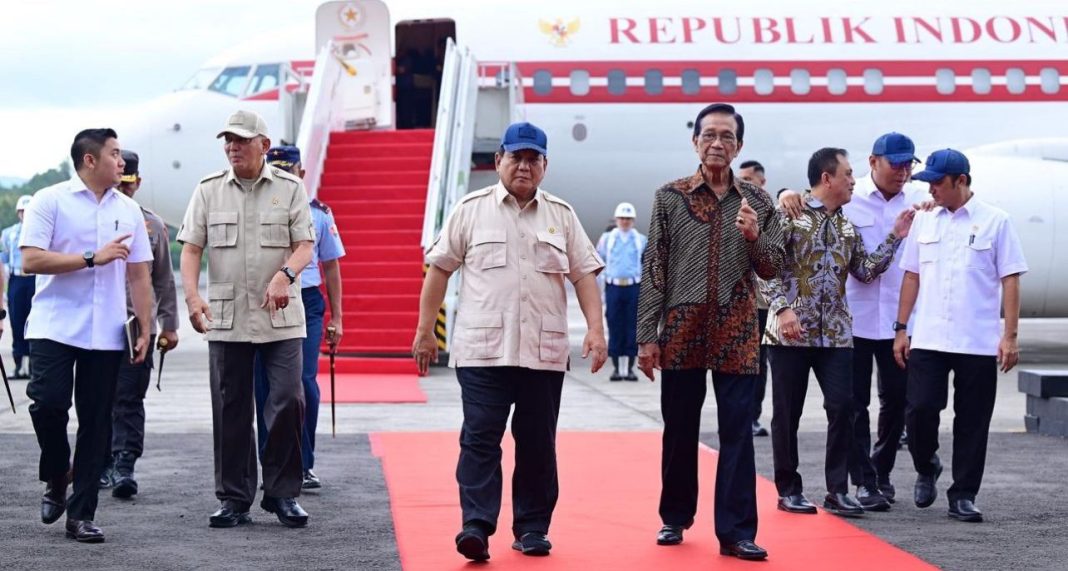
x,y
616,87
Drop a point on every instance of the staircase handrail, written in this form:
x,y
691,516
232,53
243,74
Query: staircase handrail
x,y
433,216
320,116
463,131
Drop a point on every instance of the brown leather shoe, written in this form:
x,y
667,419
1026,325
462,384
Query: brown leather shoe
x,y
84,531
54,500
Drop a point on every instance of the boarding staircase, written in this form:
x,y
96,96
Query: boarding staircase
x,y
390,192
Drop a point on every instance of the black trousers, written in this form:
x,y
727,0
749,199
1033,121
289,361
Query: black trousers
x,y
790,367
60,370
975,380
682,394
760,388
233,418
128,413
488,395
20,290
866,466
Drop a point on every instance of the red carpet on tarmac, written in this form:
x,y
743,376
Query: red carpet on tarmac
x,y
355,388
606,517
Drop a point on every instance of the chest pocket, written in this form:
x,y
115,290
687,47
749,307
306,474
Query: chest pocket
x,y
274,229
980,254
928,246
551,254
489,249
222,229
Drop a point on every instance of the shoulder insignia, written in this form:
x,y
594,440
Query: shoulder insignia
x,y
556,199
286,175
316,203
477,194
213,175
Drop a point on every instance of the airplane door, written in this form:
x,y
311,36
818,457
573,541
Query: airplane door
x,y
360,32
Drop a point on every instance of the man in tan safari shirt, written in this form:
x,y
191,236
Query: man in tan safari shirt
x,y
254,221
514,244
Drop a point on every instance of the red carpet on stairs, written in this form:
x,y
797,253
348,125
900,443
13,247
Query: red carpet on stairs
x,y
363,388
606,517
375,183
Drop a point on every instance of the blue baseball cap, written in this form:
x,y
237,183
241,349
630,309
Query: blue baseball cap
x,y
524,135
897,148
283,156
942,163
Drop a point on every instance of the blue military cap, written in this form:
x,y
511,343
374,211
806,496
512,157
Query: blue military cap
x,y
283,156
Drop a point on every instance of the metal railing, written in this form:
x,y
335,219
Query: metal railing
x,y
320,117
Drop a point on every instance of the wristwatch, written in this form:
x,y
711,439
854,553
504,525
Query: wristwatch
x,y
88,257
898,326
289,274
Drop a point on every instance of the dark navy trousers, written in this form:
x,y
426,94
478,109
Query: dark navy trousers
x,y
621,311
20,290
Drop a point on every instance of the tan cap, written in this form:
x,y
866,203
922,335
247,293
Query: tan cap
x,y
246,124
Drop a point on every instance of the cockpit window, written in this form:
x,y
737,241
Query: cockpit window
x,y
231,81
202,78
264,79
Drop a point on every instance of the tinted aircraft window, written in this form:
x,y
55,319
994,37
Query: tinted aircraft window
x,y
800,81
1051,82
946,84
231,81
265,78
202,78
1016,80
580,82
836,81
873,81
981,81
691,82
654,82
764,81
617,82
728,81
543,82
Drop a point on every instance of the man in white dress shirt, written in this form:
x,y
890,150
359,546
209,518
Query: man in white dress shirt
x,y
962,265
83,239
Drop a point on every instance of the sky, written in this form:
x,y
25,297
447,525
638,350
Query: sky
x,y
67,65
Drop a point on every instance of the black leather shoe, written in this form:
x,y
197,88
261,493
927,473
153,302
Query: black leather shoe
x,y
288,511
796,504
842,505
533,543
230,514
759,430
125,487
107,478
84,531
615,376
669,535
54,500
926,490
19,375
311,481
473,542
965,510
871,499
888,491
744,549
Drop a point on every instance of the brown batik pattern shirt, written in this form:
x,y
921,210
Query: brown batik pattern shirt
x,y
698,298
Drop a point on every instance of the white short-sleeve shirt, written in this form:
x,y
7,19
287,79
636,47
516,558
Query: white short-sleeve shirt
x,y
874,305
85,308
961,258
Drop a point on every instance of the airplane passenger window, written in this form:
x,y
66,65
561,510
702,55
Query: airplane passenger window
x,y
836,81
265,78
728,81
800,81
945,81
543,82
1051,81
763,82
981,81
580,82
654,82
873,81
201,79
1016,80
691,82
231,81
617,82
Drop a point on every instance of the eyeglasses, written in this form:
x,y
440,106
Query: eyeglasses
x,y
907,165
727,139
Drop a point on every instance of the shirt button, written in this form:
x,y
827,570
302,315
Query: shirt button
x,y
522,235
523,320
524,276
523,257
524,298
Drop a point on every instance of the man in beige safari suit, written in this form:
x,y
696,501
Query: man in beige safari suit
x,y
254,221
514,244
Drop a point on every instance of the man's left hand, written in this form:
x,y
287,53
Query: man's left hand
x,y
140,349
277,295
594,343
746,222
1008,353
